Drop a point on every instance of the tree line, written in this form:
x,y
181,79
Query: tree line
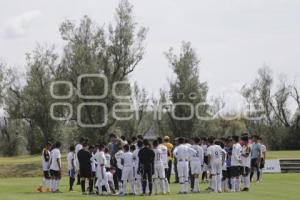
x,y
115,51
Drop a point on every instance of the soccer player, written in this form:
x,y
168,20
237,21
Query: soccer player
x,y
134,140
205,162
228,149
110,179
45,165
175,162
236,160
216,159
84,159
246,163
107,159
165,159
92,151
263,157
159,171
78,147
123,140
224,168
183,153
71,167
255,158
196,163
55,167
101,171
170,147
118,157
136,165
127,170
146,165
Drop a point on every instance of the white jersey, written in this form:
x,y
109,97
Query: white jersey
x,y
45,159
78,147
246,156
107,160
99,157
93,162
71,160
236,155
183,152
118,157
158,161
215,152
263,150
135,156
127,159
55,157
199,155
164,155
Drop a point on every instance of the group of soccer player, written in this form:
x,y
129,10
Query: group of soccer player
x,y
227,164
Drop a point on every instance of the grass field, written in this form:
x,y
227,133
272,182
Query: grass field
x,y
273,187
26,170
283,154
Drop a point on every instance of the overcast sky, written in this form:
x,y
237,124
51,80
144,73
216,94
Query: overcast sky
x,y
233,38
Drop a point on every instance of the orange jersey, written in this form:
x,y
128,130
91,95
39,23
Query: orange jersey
x,y
170,148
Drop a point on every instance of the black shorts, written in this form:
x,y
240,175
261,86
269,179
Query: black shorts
x,y
224,175
245,171
228,171
262,163
93,174
206,160
46,174
85,172
71,173
55,174
119,174
235,171
254,163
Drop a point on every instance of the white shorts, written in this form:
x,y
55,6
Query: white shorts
x,y
183,169
196,167
216,167
101,173
127,174
159,172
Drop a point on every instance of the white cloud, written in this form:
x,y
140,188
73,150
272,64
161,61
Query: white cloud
x,y
19,25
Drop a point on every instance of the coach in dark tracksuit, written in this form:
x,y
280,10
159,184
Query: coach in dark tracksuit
x,y
146,166
84,159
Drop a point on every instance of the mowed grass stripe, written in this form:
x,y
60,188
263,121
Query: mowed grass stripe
x,y
273,187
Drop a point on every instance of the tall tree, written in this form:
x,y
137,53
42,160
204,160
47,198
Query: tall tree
x,y
91,49
185,89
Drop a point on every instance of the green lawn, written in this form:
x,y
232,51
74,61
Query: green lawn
x,y
273,187
283,154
